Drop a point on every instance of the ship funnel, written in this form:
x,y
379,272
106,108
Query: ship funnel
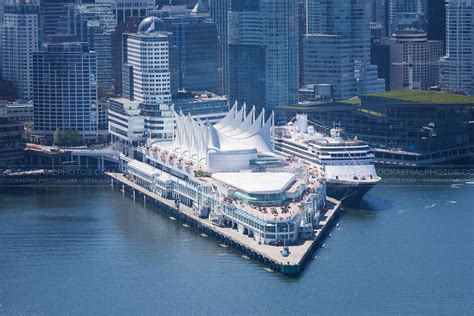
x,y
302,123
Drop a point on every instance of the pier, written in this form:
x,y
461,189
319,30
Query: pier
x,y
292,265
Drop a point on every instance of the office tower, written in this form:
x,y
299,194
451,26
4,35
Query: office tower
x,y
313,15
54,16
65,91
146,59
420,55
397,7
378,15
123,9
387,54
2,4
457,66
338,50
263,52
130,25
436,16
20,38
193,37
146,72
301,33
218,11
93,24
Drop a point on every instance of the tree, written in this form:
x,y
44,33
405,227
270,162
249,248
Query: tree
x,y
66,137
58,137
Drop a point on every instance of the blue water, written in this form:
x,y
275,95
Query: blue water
x,y
81,250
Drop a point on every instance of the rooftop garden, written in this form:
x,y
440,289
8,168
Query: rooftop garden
x,y
422,96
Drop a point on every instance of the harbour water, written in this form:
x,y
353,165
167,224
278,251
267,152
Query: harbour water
x,y
409,248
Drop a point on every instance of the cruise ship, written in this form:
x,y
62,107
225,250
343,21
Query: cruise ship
x,y
348,165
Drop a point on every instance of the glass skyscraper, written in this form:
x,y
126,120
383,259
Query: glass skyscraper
x,y
65,90
20,38
338,50
457,72
400,7
123,9
218,10
263,52
193,40
94,24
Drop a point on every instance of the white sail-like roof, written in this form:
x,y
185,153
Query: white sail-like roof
x,y
238,132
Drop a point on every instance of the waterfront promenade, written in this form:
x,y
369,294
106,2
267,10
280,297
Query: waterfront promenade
x,y
293,264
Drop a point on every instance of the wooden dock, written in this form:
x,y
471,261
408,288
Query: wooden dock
x,y
292,265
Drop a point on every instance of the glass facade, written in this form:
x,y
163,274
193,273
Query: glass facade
x,y
340,45
65,90
456,72
94,24
194,41
263,52
20,38
218,12
423,131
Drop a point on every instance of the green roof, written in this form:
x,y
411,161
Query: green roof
x,y
422,96
412,96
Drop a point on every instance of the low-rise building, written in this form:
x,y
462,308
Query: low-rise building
x,y
125,122
11,143
18,111
128,123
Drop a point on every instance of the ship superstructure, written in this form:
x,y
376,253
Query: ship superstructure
x,y
347,164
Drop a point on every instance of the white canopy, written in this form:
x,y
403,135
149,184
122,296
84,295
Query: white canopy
x,y
238,131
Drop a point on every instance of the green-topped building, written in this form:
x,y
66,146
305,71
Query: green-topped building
x,y
406,127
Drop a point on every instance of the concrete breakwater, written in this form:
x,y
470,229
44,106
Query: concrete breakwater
x,y
292,265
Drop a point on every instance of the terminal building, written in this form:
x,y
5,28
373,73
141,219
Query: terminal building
x,y
406,127
229,173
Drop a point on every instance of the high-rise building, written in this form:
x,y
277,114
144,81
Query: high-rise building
x,y
337,52
65,91
129,26
146,59
193,37
457,66
420,55
122,9
378,15
146,110
436,16
54,15
398,7
387,54
2,4
146,72
94,24
218,10
263,52
20,38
